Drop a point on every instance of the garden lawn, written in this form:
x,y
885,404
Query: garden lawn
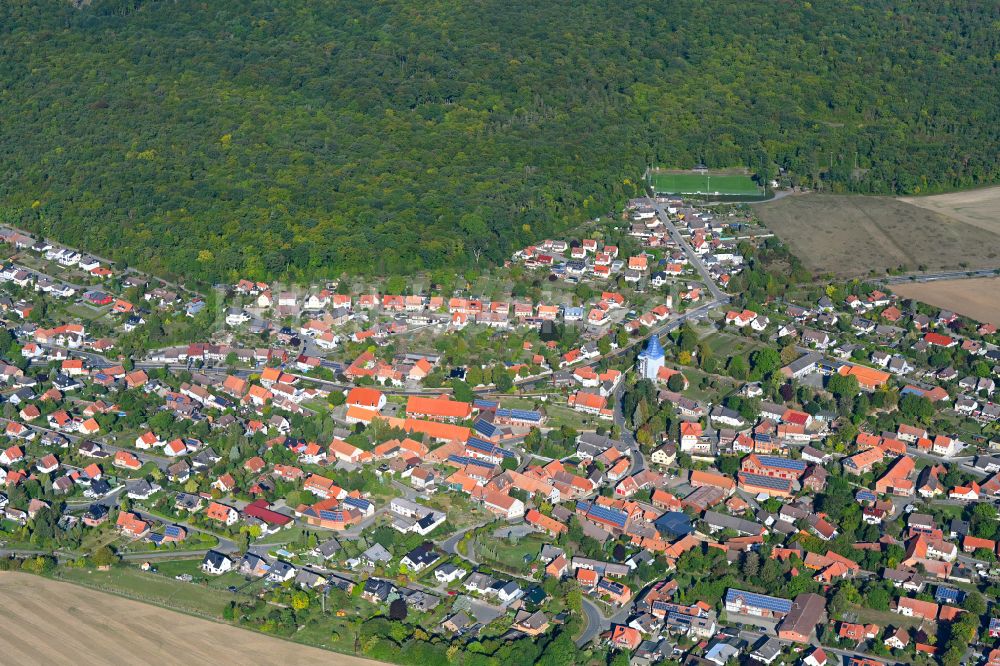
x,y
510,555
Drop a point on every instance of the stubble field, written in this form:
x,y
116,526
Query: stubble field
x,y
54,623
853,236
978,298
980,208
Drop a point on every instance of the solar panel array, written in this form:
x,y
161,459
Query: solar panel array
x,y
520,414
485,404
947,594
605,514
488,448
362,504
172,531
331,515
761,437
679,619
467,460
774,604
480,445
864,495
784,463
610,586
765,481
485,428
663,606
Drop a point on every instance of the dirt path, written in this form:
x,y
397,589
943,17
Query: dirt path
x,y
55,623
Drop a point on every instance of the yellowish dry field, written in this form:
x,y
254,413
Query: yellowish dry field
x,y
980,208
978,298
55,623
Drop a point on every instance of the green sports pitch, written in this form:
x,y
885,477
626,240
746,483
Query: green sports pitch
x,y
704,184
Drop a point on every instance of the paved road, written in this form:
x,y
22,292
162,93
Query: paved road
x,y
718,298
638,462
752,637
103,260
18,552
110,500
160,461
595,623
693,257
36,275
450,545
225,545
941,275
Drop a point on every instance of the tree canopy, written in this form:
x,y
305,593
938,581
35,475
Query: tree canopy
x,y
262,139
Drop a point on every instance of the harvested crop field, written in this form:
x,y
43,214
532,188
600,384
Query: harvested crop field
x,y
60,623
980,208
978,298
853,236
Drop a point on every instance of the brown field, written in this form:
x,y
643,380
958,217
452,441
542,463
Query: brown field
x,y
978,298
980,208
852,236
54,623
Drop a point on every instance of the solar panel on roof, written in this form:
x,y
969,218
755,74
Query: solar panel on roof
x,y
680,618
331,515
467,460
172,531
476,443
611,586
765,481
764,601
865,495
674,522
609,515
787,463
488,448
485,404
521,414
761,437
485,428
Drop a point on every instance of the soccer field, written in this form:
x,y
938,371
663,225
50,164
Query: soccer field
x,y
694,183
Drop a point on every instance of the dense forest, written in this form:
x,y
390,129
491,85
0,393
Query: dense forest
x,y
217,139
